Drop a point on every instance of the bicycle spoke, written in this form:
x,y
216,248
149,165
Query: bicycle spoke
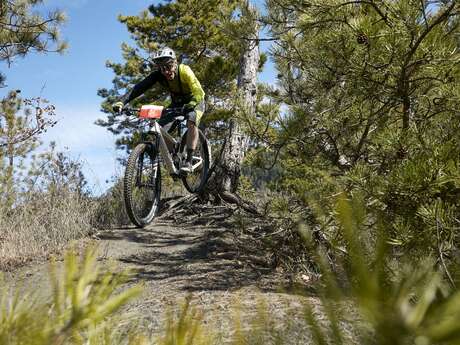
x,y
142,185
194,180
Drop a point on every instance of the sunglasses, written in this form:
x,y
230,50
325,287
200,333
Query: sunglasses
x,y
167,67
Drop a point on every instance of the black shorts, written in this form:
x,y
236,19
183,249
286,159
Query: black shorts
x,y
194,115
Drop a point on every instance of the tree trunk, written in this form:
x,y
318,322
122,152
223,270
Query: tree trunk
x,y
227,172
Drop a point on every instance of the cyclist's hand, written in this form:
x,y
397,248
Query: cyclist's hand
x,y
187,108
118,107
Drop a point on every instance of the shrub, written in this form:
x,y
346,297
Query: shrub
x,y
110,209
48,208
84,300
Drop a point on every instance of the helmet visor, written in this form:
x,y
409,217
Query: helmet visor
x,y
164,61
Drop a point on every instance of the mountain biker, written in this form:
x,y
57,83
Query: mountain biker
x,y
185,91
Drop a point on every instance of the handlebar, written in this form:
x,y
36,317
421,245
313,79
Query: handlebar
x,y
130,111
135,111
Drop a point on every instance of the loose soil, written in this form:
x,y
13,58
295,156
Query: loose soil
x,y
183,253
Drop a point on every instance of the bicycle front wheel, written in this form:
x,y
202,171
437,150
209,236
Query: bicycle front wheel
x,y
195,181
142,184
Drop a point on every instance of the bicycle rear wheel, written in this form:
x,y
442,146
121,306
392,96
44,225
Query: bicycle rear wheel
x,y
196,180
142,184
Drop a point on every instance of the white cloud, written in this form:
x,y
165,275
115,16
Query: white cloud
x,y
76,130
77,135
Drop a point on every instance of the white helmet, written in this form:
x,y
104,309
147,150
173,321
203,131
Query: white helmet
x,y
163,55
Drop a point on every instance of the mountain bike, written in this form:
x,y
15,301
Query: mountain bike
x,y
142,180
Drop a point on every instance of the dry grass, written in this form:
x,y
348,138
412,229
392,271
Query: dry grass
x,y
111,213
110,210
44,224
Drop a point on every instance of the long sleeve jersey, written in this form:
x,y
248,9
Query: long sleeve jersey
x,y
185,88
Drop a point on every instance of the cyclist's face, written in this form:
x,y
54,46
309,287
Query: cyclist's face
x,y
169,70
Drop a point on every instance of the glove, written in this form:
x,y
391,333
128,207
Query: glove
x,y
187,108
117,107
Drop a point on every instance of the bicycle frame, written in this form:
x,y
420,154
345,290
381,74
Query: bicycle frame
x,y
164,151
142,180
162,135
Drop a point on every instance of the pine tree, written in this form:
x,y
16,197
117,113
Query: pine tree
x,y
21,123
228,169
23,31
195,30
372,96
219,39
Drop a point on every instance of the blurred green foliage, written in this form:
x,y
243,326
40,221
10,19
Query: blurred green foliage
x,y
84,300
366,102
376,298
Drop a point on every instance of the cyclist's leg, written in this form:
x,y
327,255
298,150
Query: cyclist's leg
x,y
193,121
166,121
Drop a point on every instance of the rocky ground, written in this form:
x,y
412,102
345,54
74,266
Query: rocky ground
x,y
194,253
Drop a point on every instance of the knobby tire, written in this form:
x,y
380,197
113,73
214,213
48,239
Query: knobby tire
x,y
131,195
186,179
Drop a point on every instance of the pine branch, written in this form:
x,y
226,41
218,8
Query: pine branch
x,y
440,19
373,5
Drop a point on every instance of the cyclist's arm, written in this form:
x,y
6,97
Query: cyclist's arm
x,y
194,84
141,87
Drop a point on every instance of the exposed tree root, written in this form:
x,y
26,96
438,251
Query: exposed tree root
x,y
180,205
246,205
171,205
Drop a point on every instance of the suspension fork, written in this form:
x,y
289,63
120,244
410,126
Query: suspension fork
x,y
155,160
140,168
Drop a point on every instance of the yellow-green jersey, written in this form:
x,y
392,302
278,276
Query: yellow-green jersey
x,y
185,88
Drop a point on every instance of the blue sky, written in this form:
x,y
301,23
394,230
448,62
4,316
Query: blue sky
x,y
70,81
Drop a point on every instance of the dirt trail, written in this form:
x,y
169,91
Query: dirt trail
x,y
174,260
